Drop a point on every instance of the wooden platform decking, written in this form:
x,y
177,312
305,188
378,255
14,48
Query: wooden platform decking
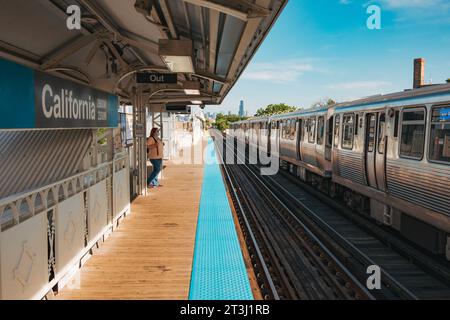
x,y
150,255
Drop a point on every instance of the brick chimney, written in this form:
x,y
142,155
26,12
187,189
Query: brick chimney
x,y
419,73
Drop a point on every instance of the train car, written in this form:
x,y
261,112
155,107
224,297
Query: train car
x,y
303,140
394,150
387,156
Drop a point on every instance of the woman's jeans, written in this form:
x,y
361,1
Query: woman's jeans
x,y
153,178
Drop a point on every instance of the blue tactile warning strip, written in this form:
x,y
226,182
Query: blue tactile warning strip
x,y
218,271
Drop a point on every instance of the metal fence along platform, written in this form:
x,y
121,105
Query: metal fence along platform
x,y
218,271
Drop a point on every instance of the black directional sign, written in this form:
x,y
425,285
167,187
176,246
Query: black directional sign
x,y
148,77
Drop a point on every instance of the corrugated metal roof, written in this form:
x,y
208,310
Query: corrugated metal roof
x,y
120,37
31,159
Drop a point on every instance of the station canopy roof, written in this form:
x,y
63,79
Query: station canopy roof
x,y
121,37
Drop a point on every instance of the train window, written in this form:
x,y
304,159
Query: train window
x,y
413,133
440,135
300,129
337,126
371,132
293,124
348,126
381,133
396,121
312,130
329,132
320,130
356,124
286,129
274,125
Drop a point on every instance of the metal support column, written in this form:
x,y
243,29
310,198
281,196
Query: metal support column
x,y
140,141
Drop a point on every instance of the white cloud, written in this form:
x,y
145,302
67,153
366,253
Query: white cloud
x,y
282,71
416,8
359,85
395,4
419,11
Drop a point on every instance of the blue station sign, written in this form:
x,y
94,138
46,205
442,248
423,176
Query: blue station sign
x,y
32,99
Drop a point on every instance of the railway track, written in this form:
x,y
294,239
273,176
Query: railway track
x,y
289,260
310,250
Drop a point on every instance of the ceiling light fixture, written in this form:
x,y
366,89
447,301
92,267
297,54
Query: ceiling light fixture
x,y
191,88
177,55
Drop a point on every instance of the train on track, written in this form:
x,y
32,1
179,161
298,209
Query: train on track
x,y
386,156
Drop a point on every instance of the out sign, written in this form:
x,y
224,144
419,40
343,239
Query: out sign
x,y
162,78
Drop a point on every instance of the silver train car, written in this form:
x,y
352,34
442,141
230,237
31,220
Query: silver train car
x,y
387,156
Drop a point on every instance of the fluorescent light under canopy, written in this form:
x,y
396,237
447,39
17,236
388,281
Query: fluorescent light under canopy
x,y
191,88
177,55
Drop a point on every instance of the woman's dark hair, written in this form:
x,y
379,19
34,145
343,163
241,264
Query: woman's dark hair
x,y
153,132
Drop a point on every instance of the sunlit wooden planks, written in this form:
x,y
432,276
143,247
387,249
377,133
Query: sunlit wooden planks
x,y
150,255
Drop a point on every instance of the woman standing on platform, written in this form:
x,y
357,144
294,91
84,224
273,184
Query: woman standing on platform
x,y
155,154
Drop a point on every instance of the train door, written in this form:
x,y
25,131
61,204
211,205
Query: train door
x,y
376,149
371,136
329,138
380,158
278,137
274,136
299,138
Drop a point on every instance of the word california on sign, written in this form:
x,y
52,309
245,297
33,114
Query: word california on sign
x,y
62,103
31,99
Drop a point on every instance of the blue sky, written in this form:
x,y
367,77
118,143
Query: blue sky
x,y
323,48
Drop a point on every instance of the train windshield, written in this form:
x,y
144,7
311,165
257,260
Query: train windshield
x,y
440,135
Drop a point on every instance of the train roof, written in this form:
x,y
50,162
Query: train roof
x,y
301,112
412,96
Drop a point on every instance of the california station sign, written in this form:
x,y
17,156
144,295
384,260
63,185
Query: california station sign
x,y
32,99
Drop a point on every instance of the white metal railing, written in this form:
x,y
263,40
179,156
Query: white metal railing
x,y
46,231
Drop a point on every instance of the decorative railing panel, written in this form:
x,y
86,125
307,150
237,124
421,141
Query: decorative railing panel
x,y
70,226
44,233
98,210
24,259
121,198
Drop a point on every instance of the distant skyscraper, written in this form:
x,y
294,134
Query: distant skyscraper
x,y
241,108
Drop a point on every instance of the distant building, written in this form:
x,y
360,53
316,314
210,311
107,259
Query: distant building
x,y
241,108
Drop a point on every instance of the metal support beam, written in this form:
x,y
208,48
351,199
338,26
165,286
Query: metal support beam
x,y
247,40
56,57
220,7
213,32
183,99
100,16
168,16
140,141
209,76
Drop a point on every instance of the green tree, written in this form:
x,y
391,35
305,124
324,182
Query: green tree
x,y
327,102
223,121
275,109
